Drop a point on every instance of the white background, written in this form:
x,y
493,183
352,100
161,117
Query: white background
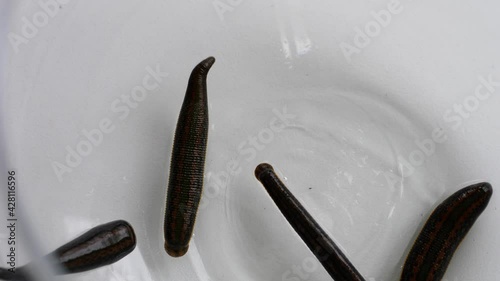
x,y
364,85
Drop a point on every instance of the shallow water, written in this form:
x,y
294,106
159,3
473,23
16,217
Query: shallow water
x,y
356,145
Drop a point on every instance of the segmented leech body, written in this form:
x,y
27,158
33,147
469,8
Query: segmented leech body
x,y
442,233
100,246
327,252
187,163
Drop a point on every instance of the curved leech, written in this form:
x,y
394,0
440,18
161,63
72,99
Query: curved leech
x,y
187,163
325,250
441,235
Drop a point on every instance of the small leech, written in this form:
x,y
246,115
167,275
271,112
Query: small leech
x,y
187,163
325,250
444,230
100,246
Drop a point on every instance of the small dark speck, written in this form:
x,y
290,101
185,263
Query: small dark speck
x,y
60,7
310,188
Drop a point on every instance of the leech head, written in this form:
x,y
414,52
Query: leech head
x,y
197,85
176,252
485,187
200,71
481,192
261,168
204,66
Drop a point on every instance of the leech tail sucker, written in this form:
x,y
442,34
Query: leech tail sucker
x,y
444,230
322,246
187,163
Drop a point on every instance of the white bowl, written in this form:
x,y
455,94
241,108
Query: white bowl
x,y
372,112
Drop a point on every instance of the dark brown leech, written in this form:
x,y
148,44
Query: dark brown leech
x,y
327,252
100,246
442,233
187,163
